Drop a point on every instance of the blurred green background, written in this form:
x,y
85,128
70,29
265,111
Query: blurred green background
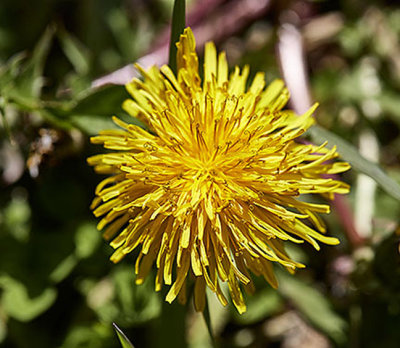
x,y
57,286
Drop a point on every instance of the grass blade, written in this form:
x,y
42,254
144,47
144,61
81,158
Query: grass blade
x,y
349,153
122,338
177,27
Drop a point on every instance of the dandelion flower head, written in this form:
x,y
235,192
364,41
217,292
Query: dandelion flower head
x,y
210,192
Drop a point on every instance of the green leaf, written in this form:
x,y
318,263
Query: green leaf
x,y
313,305
137,303
105,100
77,54
94,112
28,84
207,319
124,34
122,338
96,335
177,28
40,52
264,303
21,79
18,303
10,70
17,218
118,299
92,124
349,153
87,239
63,269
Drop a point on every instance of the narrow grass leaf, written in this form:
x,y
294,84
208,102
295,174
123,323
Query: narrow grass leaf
x,y
177,27
75,51
350,154
122,338
29,83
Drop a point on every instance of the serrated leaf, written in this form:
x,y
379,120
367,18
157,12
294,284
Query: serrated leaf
x,y
177,27
350,154
313,305
122,338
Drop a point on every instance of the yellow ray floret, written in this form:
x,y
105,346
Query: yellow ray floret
x,y
210,192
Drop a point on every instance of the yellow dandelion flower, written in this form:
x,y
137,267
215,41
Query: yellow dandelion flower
x,y
210,192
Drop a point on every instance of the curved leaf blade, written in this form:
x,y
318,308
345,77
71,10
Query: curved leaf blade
x,y
122,338
177,28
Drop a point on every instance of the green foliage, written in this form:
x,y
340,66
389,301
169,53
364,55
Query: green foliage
x,y
75,51
96,336
91,114
21,80
123,339
358,162
87,240
263,304
19,304
16,217
314,306
177,27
